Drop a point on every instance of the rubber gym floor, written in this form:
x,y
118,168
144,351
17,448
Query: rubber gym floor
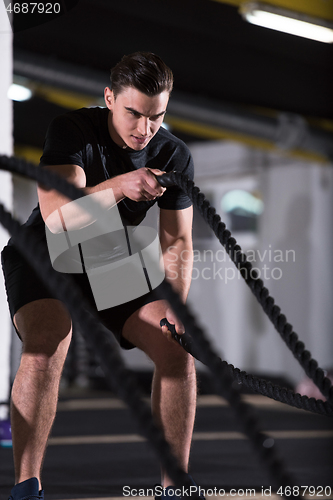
x,y
96,451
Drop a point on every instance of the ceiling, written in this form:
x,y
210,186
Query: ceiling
x,y
220,63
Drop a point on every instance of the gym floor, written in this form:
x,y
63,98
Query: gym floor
x,y
95,450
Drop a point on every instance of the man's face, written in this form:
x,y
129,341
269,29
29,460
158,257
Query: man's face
x,y
135,117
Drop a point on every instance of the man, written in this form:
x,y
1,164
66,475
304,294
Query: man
x,y
121,148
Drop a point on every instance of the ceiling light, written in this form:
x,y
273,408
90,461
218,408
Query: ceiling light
x,y
18,93
287,21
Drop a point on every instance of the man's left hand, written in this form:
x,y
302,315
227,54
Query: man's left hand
x,y
172,318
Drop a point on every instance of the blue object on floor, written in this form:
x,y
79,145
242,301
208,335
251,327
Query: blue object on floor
x,y
5,434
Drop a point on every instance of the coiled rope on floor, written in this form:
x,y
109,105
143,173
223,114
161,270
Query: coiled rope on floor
x,y
256,284
105,347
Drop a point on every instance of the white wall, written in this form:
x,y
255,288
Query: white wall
x,y
6,145
298,217
296,224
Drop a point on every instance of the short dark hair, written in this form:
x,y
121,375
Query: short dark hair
x,y
144,71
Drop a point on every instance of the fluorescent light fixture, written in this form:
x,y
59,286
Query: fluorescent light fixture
x,y
18,93
287,21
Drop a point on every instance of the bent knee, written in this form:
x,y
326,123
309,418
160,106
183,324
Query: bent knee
x,y
47,363
44,325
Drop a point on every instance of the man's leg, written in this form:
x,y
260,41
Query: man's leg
x,y
45,328
174,383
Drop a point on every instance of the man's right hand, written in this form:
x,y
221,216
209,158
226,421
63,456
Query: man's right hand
x,y
138,185
141,184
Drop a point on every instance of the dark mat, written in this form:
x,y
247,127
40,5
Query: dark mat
x,y
102,470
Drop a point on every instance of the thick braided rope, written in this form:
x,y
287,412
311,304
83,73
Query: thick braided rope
x,y
224,385
107,353
261,293
98,339
278,393
266,388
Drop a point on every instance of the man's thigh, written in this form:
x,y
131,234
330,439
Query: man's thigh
x,y
42,322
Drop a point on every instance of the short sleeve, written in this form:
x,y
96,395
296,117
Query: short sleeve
x,y
174,197
64,143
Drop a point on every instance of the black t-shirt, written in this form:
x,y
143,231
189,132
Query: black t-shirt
x,y
82,138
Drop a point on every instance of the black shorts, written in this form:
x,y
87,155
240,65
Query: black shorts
x,y
23,286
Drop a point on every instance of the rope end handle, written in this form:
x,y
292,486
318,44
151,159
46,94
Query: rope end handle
x,y
166,180
178,338
171,327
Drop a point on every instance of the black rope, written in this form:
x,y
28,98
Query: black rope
x,y
250,276
105,346
259,385
119,376
224,385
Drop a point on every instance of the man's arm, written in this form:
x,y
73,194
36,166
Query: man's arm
x,y
177,250
139,185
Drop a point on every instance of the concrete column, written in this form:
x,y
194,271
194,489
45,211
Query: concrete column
x,y
6,147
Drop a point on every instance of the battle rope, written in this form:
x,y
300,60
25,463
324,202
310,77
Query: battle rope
x,y
258,385
101,342
105,347
264,387
250,276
